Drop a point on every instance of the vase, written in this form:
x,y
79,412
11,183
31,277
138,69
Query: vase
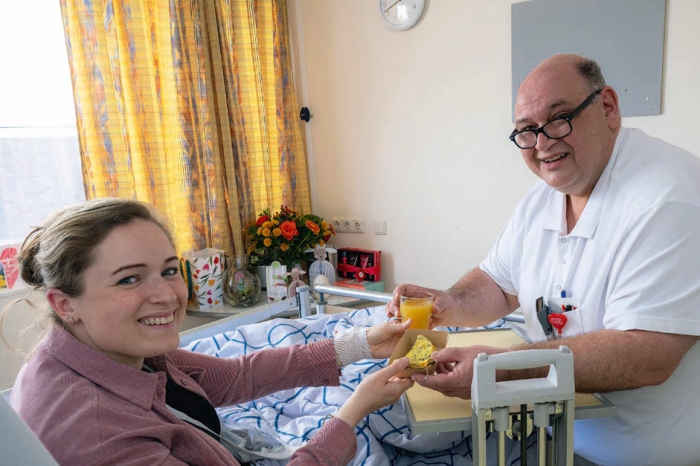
x,y
241,286
262,274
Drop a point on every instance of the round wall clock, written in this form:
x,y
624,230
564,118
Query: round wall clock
x,y
401,14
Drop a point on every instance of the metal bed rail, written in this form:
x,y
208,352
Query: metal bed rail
x,y
302,304
375,296
370,296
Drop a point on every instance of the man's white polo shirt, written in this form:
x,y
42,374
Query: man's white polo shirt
x,y
631,262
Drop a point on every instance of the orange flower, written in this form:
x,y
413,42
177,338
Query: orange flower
x,y
284,236
328,230
289,230
313,227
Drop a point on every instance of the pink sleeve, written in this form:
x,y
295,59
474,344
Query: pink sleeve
x,y
236,380
334,444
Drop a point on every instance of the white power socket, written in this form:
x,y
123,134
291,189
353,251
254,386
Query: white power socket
x,y
348,225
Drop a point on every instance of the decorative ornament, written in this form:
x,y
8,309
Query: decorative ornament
x,y
296,274
319,280
558,321
321,266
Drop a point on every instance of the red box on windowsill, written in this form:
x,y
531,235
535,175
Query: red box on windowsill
x,y
359,264
363,285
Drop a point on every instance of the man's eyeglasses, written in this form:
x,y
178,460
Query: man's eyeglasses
x,y
554,129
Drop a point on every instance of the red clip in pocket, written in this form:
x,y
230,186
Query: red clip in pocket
x,y
558,321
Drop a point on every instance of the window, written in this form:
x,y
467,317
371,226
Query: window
x,y
39,155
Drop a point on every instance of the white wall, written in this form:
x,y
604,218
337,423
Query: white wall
x,y
18,330
411,127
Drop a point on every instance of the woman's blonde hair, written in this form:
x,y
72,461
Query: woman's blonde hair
x,y
56,254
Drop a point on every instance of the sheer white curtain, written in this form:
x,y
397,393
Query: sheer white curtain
x,y
40,173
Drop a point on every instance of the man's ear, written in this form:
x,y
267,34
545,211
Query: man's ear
x,y
612,107
60,303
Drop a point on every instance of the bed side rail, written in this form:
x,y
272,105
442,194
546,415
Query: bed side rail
x,y
375,296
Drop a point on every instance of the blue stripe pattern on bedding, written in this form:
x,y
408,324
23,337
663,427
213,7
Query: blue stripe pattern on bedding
x,y
295,415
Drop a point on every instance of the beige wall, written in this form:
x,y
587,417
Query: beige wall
x,y
18,329
411,127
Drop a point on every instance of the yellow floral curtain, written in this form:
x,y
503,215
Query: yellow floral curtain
x,y
188,105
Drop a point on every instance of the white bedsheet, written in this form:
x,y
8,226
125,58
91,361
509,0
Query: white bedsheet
x,y
295,415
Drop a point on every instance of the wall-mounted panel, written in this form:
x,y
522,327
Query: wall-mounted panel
x,y
625,37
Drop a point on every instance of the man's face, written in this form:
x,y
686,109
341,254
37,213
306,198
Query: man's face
x,y
572,164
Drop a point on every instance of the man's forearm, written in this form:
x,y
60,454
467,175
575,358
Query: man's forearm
x,y
479,299
609,360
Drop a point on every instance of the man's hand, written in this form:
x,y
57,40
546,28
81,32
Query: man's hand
x,y
473,301
455,370
441,303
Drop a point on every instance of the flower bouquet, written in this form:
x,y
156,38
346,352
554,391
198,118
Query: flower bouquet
x,y
284,237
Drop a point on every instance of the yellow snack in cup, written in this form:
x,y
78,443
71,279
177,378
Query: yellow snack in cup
x,y
420,352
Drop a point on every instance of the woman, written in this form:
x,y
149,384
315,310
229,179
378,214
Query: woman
x,y
102,386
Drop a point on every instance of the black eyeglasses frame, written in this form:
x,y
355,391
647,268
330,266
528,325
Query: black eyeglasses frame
x,y
566,118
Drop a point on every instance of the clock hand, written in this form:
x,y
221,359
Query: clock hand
x,y
392,6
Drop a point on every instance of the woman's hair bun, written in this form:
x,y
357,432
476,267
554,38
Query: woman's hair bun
x,y
28,268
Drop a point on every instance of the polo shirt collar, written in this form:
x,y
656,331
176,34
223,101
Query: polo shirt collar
x,y
136,386
553,216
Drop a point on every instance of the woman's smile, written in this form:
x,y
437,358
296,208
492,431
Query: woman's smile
x,y
159,321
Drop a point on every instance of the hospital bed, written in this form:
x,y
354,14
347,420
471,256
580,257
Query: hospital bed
x,y
393,435
302,305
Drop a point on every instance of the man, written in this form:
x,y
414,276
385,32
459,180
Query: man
x,y
613,225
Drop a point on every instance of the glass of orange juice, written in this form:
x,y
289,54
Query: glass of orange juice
x,y
419,308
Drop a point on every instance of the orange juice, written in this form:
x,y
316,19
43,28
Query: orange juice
x,y
418,309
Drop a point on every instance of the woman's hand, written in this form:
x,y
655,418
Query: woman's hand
x,y
382,339
376,391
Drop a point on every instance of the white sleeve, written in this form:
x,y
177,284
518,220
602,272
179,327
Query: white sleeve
x,y
503,263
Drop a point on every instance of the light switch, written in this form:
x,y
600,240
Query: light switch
x,y
380,227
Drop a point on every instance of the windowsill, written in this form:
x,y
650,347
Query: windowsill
x,y
39,132
8,293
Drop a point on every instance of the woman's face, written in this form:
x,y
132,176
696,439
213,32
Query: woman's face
x,y
134,297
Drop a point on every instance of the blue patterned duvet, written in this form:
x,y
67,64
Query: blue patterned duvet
x,y
294,416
